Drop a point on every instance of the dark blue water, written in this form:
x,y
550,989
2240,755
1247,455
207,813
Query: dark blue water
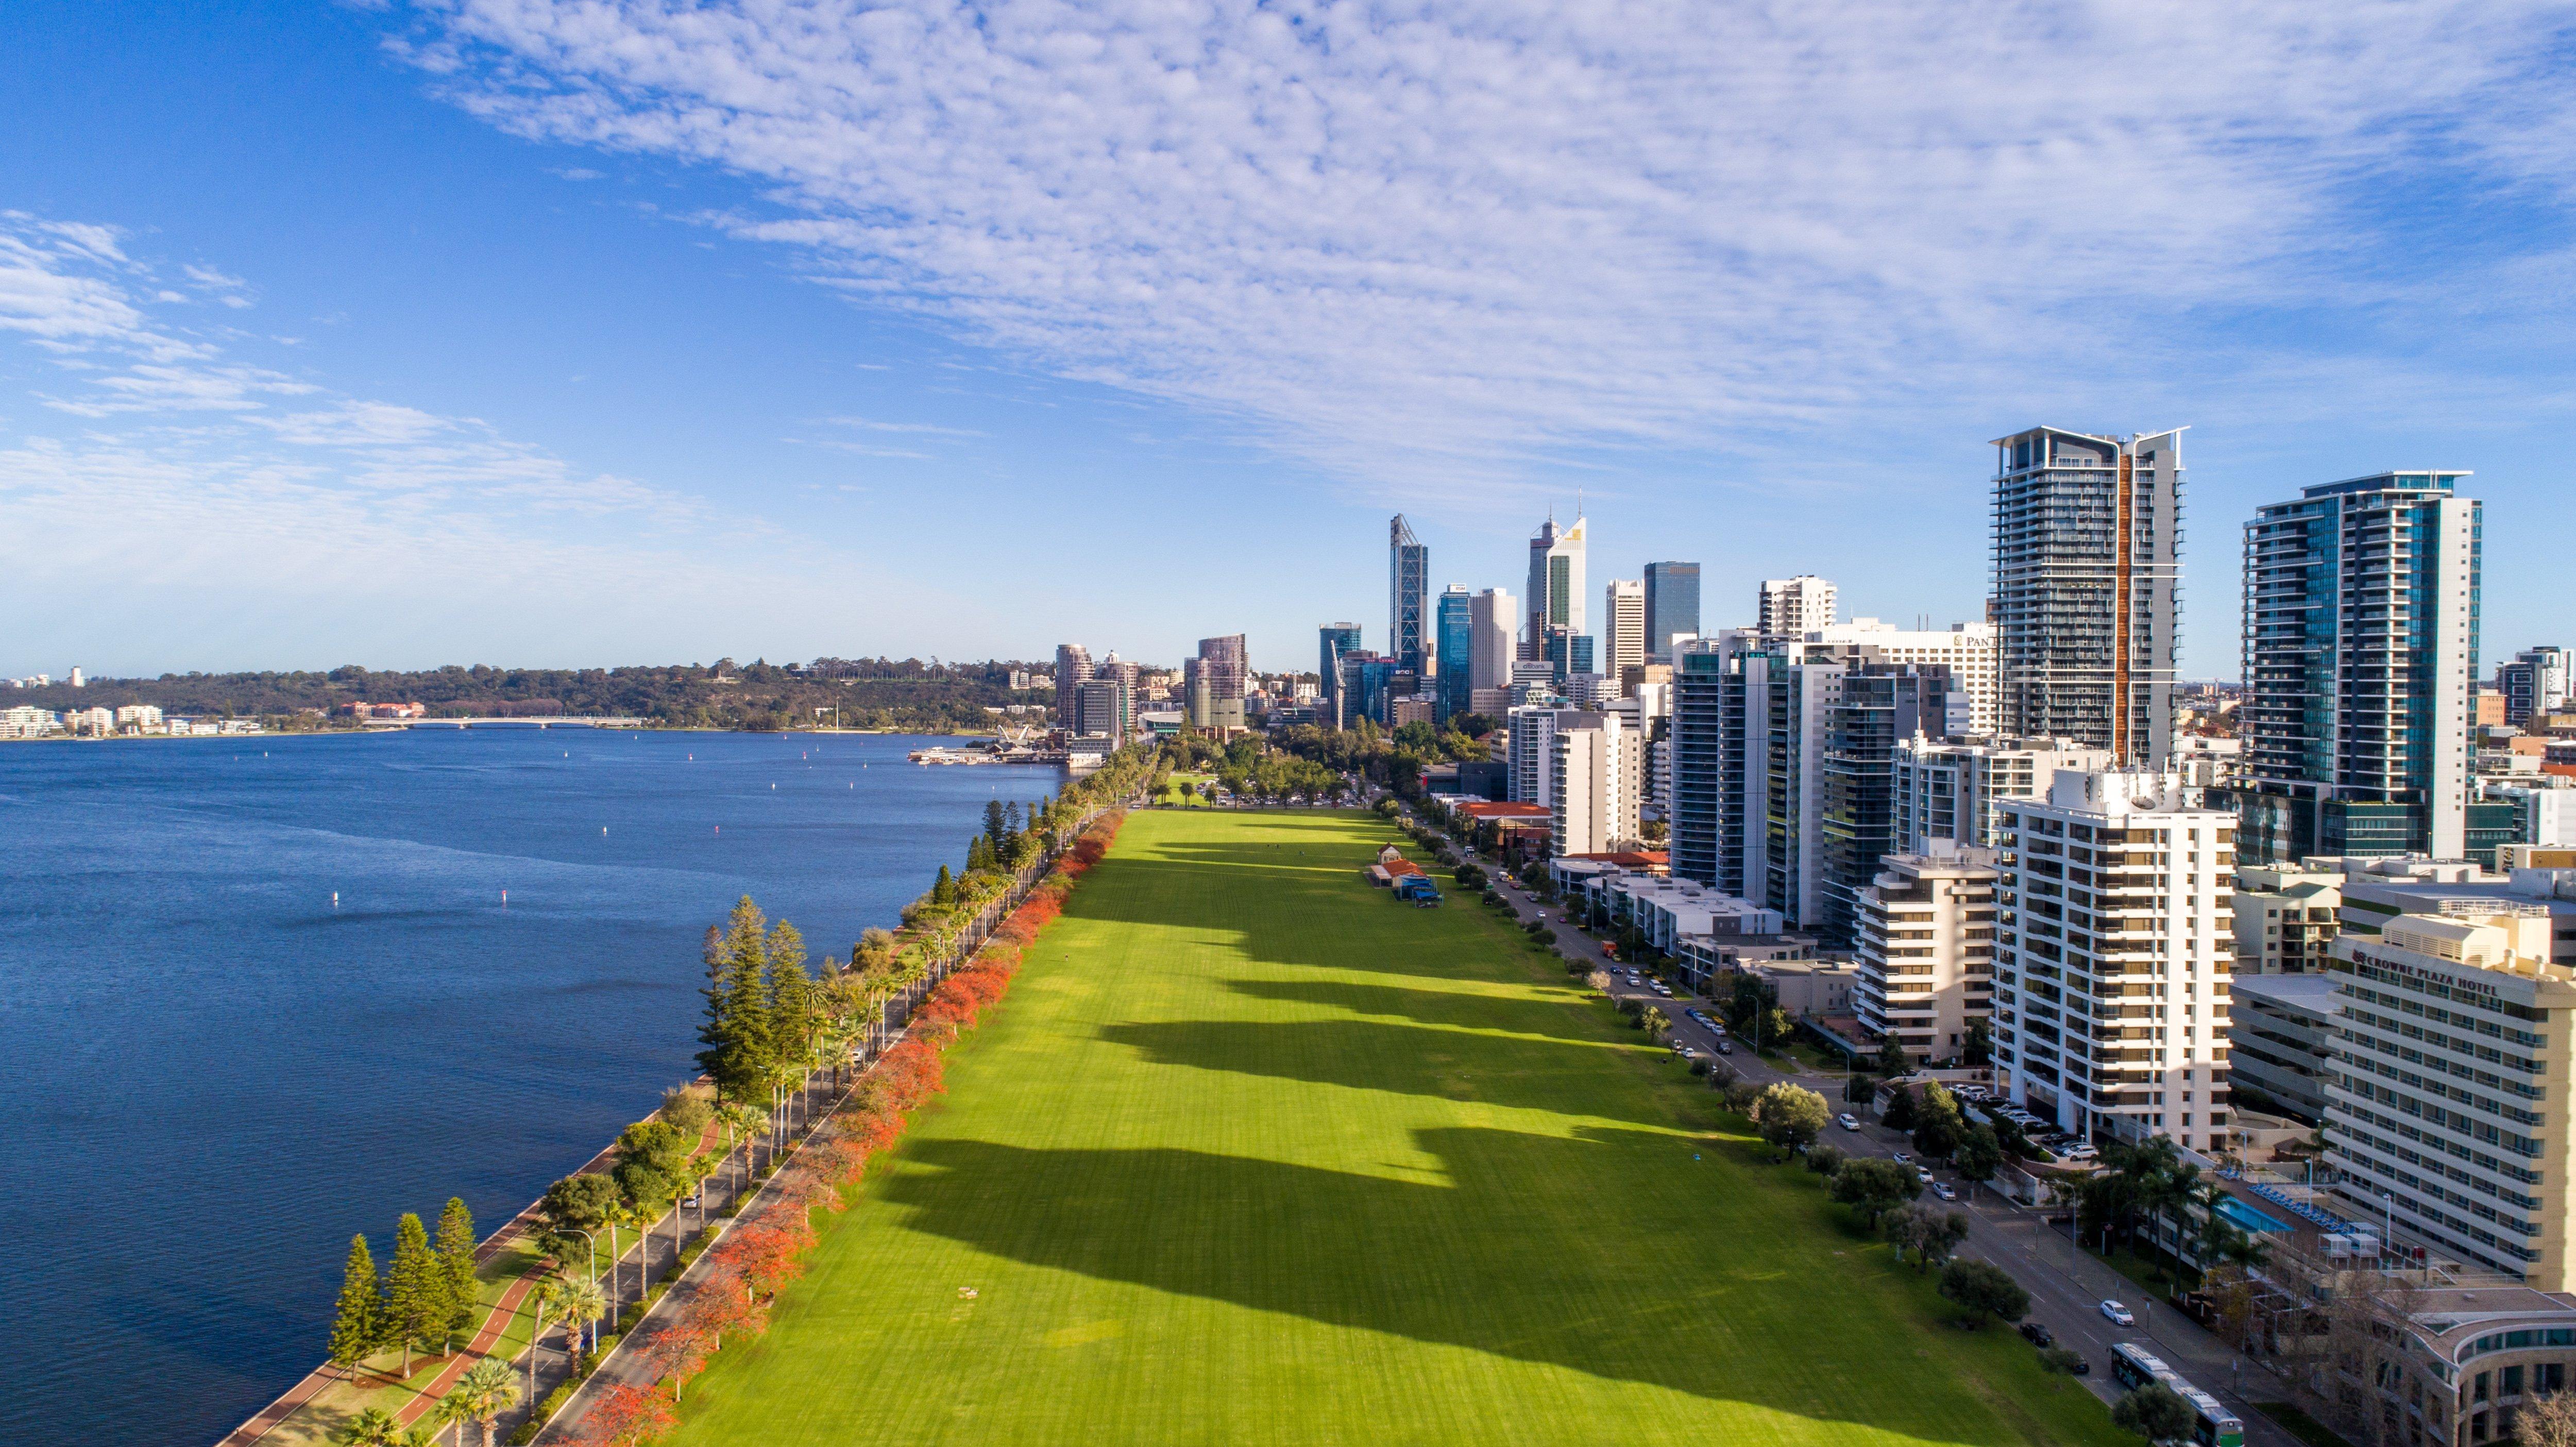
x,y
212,1076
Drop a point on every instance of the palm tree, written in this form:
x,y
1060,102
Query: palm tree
x,y
487,1389
580,1302
373,1427
454,1411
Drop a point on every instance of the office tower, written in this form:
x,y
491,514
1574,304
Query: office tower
x,y
2535,682
1596,766
1408,591
1927,951
1566,651
2361,639
1623,625
1225,665
1339,640
1672,606
1749,730
2431,1003
1072,670
1946,792
1490,654
1455,630
1967,650
2113,953
1876,706
1792,608
2088,563
1555,598
1367,688
1105,706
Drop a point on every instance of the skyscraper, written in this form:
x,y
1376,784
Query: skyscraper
x,y
1672,606
2361,640
1339,640
1792,608
1408,586
1555,598
1879,707
1623,625
2538,680
1455,640
1072,671
1225,665
2087,548
1490,652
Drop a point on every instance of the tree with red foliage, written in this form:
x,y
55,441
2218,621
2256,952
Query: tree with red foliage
x,y
630,1416
678,1352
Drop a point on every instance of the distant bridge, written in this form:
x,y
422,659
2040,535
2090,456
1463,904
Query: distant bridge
x,y
558,721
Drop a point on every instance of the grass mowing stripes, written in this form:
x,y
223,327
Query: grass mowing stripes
x,y
1253,1153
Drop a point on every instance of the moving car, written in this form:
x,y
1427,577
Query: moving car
x,y
1942,1189
2118,1314
1848,1121
1902,1159
1725,1049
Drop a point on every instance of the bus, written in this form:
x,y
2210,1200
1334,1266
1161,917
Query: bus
x,y
2132,1366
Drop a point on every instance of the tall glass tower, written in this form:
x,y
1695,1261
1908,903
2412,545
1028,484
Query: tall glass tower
x,y
1555,585
1457,648
1339,640
1672,606
1408,589
2361,639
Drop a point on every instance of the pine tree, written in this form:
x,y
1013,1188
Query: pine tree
x,y
736,1030
355,1331
792,1002
979,856
456,1260
416,1296
996,822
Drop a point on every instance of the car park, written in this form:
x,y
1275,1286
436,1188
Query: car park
x,y
2118,1314
1848,1121
2038,1335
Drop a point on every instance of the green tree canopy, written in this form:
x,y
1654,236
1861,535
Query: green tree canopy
x,y
2156,1412
1873,1187
576,1203
355,1330
1938,1125
456,1260
1979,1156
736,1028
652,1167
418,1299
1984,1290
1790,1116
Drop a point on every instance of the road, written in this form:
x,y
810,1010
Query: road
x,y
2065,1285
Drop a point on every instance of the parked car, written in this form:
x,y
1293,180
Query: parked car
x,y
2118,1314
1902,1159
1942,1189
2038,1335
1848,1121
1923,1176
1724,1049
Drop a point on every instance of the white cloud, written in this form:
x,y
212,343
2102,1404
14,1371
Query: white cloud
x,y
1433,240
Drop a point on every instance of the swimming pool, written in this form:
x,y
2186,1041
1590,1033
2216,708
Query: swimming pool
x,y
2242,1215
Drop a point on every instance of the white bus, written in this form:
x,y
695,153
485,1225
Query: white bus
x,y
2132,1366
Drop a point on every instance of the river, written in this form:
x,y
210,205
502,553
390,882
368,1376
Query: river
x,y
216,1072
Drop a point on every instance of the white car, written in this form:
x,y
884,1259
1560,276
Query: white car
x,y
1848,1121
2118,1314
1923,1175
1902,1159
1942,1190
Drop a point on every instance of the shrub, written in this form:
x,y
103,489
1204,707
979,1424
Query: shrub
x,y
2060,1359
1824,1159
1984,1290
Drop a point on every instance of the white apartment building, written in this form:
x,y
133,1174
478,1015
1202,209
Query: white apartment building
x,y
1966,649
2451,1054
138,715
2115,945
1493,623
1926,950
1623,625
1947,793
90,721
1596,771
23,722
2544,807
1532,749
2285,918
1794,607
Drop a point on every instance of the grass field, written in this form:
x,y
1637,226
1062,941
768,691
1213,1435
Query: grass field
x,y
1253,1153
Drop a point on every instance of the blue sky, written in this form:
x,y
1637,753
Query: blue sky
x,y
487,331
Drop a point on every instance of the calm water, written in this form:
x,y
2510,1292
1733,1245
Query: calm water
x,y
213,1075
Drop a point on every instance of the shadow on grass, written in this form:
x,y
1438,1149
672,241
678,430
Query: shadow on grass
x,y
1504,1070
1505,1257
1516,1009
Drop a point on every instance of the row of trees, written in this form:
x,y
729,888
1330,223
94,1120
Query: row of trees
x,y
418,1302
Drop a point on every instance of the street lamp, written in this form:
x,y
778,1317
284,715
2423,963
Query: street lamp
x,y
591,1244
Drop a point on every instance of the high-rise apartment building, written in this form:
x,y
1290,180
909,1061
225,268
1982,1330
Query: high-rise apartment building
x,y
1926,951
1072,670
1408,593
1623,625
1226,666
1339,640
2087,603
1555,598
2447,1084
1105,706
1707,683
2537,681
1748,735
1967,650
1876,706
1596,770
2115,945
1454,648
1947,791
1792,608
1533,728
1672,606
2361,642
1491,623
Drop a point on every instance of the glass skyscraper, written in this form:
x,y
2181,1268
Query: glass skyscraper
x,y
1340,640
1457,646
1408,588
1672,606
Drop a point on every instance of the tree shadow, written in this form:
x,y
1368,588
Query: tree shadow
x,y
1500,1257
1510,1009
1493,1069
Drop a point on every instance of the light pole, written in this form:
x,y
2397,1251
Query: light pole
x,y
589,1243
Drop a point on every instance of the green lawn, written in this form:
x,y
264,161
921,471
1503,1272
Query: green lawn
x,y
1253,1153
